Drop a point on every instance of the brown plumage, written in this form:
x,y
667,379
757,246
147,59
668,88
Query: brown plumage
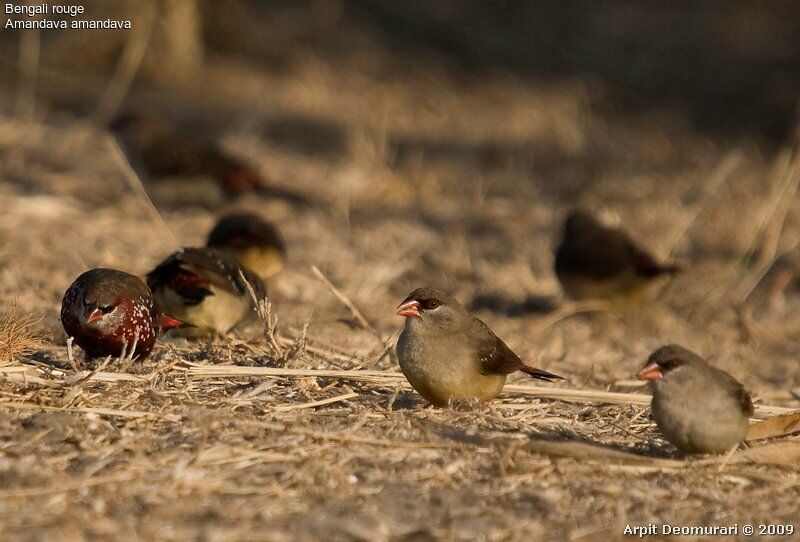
x,y
109,312
253,241
697,407
448,354
175,164
594,261
205,289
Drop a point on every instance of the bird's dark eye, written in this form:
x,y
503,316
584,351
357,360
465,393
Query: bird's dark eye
x,y
671,364
105,309
431,304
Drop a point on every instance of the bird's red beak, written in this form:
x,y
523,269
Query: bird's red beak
x,y
94,316
409,308
651,371
168,322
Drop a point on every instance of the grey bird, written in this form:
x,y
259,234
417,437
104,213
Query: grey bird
x,y
207,288
594,261
447,354
698,408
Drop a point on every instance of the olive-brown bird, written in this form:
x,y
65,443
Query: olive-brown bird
x,y
206,289
697,407
110,312
180,167
448,354
254,242
594,261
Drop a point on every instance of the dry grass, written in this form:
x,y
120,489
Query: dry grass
x,y
306,430
18,335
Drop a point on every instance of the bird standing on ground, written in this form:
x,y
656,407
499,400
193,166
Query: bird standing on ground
x,y
594,261
206,289
697,407
179,167
254,242
448,354
110,312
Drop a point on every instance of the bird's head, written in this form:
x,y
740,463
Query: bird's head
x,y
431,309
579,222
103,298
103,311
666,362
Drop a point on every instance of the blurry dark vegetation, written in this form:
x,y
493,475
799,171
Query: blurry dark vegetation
x,y
731,67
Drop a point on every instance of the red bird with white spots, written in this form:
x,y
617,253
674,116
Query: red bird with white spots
x,y
110,312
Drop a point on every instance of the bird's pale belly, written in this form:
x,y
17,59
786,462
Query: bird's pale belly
x,y
442,377
217,313
713,432
444,392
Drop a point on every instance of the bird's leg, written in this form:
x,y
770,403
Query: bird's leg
x,y
134,345
73,363
466,404
123,354
727,457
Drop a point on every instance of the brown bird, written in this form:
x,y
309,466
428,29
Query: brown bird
x,y
597,262
110,312
180,167
697,407
253,241
448,354
206,289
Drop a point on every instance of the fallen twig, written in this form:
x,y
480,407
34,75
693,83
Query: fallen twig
x,y
357,316
312,404
392,379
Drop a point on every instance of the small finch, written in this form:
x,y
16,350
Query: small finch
x,y
697,407
110,312
176,165
597,262
448,354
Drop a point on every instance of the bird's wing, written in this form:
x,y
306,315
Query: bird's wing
x,y
496,357
192,272
735,388
742,397
173,155
181,154
221,271
746,402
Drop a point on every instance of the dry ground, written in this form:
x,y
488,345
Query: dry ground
x,y
422,178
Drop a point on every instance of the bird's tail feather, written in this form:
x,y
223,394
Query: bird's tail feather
x,y
540,374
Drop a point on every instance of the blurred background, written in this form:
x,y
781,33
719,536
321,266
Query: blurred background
x,y
440,141
412,143
730,68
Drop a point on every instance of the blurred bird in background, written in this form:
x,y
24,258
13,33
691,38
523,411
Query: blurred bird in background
x,y
594,261
181,168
